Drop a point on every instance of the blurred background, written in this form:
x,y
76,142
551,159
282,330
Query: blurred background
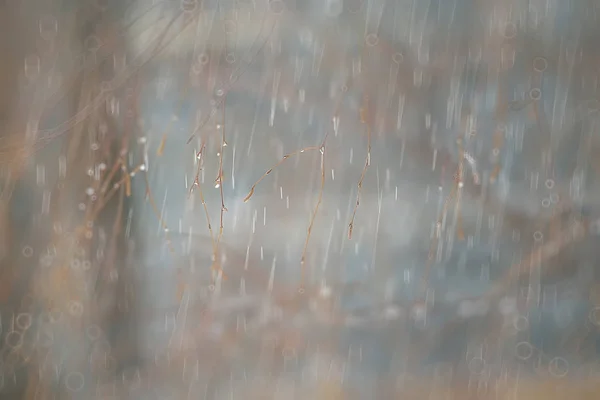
x,y
333,199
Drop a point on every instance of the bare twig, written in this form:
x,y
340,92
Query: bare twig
x,y
219,180
365,119
314,213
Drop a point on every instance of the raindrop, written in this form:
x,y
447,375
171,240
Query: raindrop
x,y
546,203
92,43
539,64
32,66
48,26
276,6
535,94
188,6
334,8
229,26
510,30
372,39
558,367
523,350
27,251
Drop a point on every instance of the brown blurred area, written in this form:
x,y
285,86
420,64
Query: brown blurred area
x,y
73,159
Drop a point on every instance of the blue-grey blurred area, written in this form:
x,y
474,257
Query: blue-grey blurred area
x,y
281,199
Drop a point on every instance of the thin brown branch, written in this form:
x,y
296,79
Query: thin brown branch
x,y
365,119
314,213
219,185
219,180
197,184
283,159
